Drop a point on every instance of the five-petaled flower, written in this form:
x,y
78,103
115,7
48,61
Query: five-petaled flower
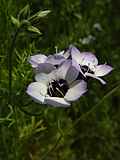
x,y
58,88
88,64
61,78
42,63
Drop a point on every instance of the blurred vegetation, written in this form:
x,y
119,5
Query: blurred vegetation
x,y
90,129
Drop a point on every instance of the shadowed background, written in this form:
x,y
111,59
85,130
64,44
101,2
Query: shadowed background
x,y
90,129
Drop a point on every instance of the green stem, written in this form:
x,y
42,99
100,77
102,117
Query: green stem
x,y
10,64
10,96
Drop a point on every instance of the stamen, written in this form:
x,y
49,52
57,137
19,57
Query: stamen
x,y
58,88
60,92
56,49
86,69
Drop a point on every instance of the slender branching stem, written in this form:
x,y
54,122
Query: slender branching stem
x,y
10,64
10,96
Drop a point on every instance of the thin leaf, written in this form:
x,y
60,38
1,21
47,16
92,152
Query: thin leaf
x,y
43,13
34,29
39,14
24,12
15,21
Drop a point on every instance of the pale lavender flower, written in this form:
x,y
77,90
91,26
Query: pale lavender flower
x,y
89,64
58,88
37,59
42,63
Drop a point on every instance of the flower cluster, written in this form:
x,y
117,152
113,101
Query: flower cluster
x,y
62,78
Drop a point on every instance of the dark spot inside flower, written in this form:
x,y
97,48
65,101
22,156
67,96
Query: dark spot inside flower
x,y
70,57
86,69
81,76
58,88
66,49
56,66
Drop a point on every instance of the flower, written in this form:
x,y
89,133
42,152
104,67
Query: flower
x,y
37,59
89,64
44,64
58,88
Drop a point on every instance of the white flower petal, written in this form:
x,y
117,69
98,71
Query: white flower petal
x,y
37,91
45,67
46,78
72,73
56,102
55,59
75,54
76,65
94,76
102,70
88,59
37,59
76,91
42,77
63,69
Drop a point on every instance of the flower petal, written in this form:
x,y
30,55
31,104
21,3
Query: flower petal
x,y
37,59
94,76
63,69
75,54
73,72
55,59
72,48
76,65
56,102
37,91
76,91
102,70
88,59
46,78
41,77
45,67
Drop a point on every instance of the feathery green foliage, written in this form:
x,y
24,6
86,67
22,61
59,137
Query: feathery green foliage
x,y
89,130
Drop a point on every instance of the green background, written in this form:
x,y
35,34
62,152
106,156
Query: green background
x,y
90,128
